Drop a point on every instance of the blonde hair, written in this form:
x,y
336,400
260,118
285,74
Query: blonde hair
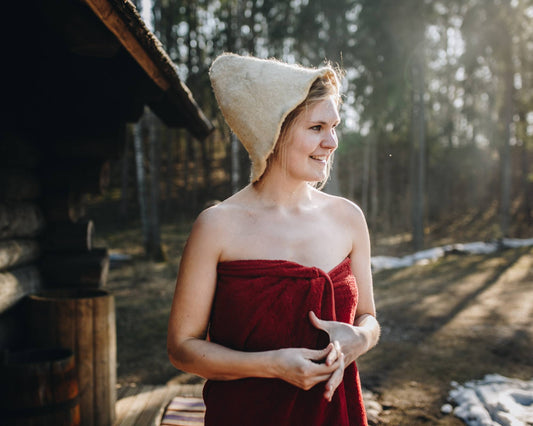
x,y
322,88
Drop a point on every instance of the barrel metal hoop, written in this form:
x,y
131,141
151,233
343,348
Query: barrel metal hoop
x,y
38,411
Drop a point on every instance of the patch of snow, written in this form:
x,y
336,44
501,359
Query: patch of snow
x,y
515,243
478,247
424,257
119,257
116,259
494,400
446,409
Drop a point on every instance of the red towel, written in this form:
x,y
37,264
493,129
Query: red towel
x,y
262,305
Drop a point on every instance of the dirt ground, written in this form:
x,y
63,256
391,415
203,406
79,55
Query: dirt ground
x,y
456,319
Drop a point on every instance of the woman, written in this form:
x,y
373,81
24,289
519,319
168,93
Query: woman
x,y
254,311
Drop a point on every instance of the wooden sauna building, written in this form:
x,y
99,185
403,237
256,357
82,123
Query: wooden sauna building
x,y
74,72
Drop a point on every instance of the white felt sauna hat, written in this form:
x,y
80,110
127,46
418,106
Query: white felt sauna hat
x,y
256,95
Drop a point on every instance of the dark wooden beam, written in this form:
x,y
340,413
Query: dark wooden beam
x,y
68,237
17,184
79,29
20,220
17,150
16,284
62,206
75,270
88,142
14,253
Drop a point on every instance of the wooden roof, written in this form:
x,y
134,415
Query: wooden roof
x,y
123,20
87,62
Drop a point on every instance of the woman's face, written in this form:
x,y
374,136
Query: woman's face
x,y
311,141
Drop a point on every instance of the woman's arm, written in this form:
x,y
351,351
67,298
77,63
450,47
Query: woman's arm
x,y
365,317
357,339
189,318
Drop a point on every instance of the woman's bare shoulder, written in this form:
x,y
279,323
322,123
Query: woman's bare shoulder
x,y
342,208
220,216
210,231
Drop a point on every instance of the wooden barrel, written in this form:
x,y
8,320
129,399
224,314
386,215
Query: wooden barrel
x,y
39,387
83,320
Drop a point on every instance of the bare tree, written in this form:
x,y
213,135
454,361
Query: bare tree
x,y
418,159
154,248
142,193
148,198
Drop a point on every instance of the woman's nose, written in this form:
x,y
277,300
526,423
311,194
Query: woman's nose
x,y
330,141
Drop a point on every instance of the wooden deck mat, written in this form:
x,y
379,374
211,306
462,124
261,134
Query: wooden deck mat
x,y
183,411
146,405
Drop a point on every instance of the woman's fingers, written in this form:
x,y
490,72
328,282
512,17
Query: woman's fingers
x,y
335,379
318,373
318,355
332,370
323,358
306,368
334,354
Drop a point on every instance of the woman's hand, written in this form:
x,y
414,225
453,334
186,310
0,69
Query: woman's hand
x,y
352,340
349,341
305,368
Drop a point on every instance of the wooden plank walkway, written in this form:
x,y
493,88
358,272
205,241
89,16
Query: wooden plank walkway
x,y
145,405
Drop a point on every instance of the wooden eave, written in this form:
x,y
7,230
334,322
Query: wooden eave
x,y
122,19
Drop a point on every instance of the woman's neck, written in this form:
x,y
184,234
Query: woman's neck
x,y
275,190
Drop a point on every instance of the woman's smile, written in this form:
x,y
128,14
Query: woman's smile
x,y
321,158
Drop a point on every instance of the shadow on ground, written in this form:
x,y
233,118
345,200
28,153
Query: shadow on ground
x,y
457,319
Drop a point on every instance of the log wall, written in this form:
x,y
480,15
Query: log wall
x,y
22,221
45,239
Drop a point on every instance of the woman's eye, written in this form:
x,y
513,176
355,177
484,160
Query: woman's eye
x,y
316,128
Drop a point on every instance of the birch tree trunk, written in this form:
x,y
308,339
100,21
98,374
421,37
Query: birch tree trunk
x,y
142,193
505,150
418,158
525,184
184,150
169,173
194,173
374,180
365,181
125,180
154,248
387,195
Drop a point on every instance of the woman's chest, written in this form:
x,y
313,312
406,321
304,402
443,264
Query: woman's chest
x,y
309,241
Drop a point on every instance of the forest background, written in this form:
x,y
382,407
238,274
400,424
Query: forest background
x,y
437,133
